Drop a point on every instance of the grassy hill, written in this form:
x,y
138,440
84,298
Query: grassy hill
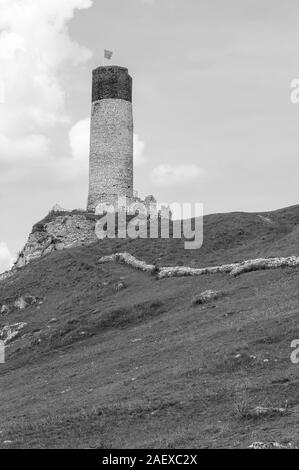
x,y
142,367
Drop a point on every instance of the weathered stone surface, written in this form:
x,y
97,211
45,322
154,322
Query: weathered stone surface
x,y
4,309
130,260
59,233
24,301
181,271
272,445
111,137
120,286
10,332
112,82
20,303
205,297
6,275
111,152
264,263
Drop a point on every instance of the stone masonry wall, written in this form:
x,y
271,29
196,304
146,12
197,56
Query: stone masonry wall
x,y
111,151
112,82
111,136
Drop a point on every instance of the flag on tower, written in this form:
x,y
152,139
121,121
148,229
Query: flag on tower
x,y
108,54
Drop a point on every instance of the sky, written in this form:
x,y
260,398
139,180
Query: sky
x,y
213,118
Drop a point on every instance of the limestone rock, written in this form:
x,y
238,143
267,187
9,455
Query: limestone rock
x,y
10,332
20,303
269,410
6,275
130,260
56,233
24,301
206,296
4,309
271,445
264,263
120,286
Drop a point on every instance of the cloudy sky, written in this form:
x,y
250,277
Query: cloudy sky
x,y
213,117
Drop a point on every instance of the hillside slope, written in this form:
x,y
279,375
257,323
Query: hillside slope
x,y
99,366
226,237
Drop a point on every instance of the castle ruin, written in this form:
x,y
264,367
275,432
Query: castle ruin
x,y
110,170
111,137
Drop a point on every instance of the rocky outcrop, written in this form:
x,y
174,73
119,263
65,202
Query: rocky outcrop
x,y
4,309
6,275
233,269
24,301
10,332
272,445
120,286
264,263
206,296
62,229
55,233
130,260
21,303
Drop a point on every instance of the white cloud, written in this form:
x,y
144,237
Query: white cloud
x,y
5,257
170,175
79,137
30,157
28,146
2,92
34,44
139,148
35,49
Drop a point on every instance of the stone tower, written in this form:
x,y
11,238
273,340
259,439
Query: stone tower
x,y
111,136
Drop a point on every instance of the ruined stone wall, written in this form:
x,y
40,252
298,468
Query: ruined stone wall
x,y
111,136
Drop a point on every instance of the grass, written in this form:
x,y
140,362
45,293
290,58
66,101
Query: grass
x,y
142,367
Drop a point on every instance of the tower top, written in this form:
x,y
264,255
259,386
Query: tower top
x,y
111,82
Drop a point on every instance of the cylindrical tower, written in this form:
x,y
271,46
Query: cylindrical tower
x,y
111,136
